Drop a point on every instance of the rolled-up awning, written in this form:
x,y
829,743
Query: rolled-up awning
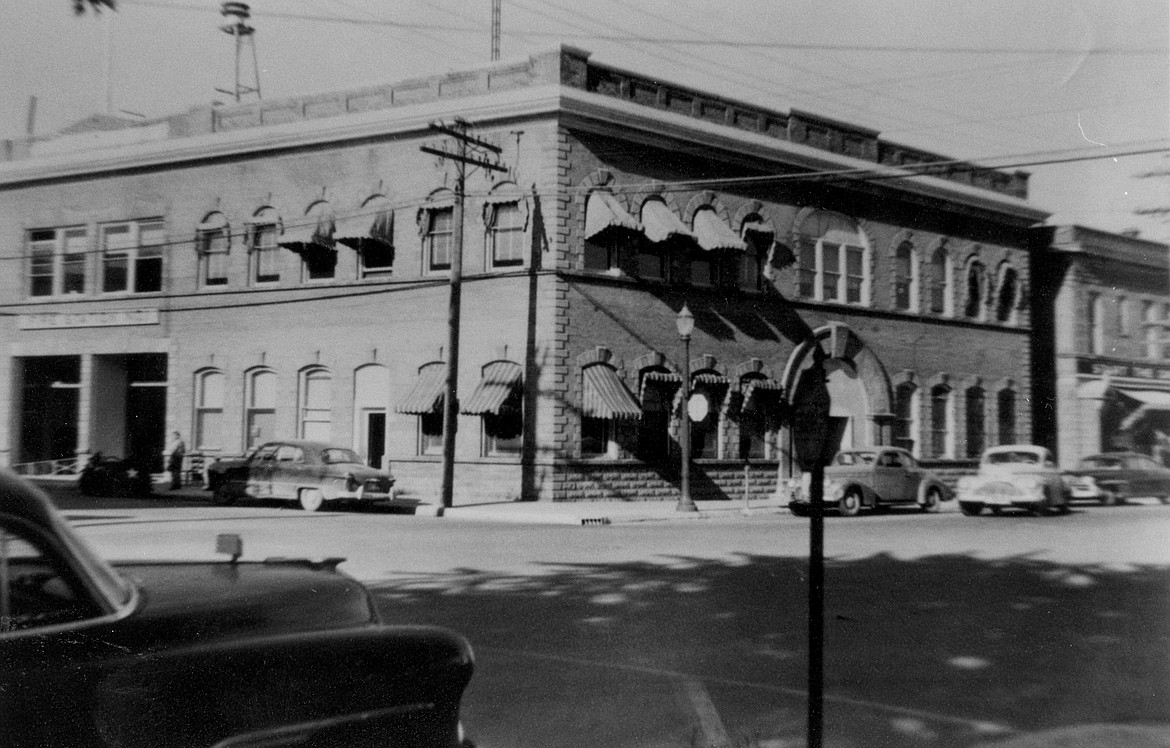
x,y
500,380
664,383
311,237
713,234
605,396
358,231
427,393
1152,401
603,211
709,380
760,392
659,222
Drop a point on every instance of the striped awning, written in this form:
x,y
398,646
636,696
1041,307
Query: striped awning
x,y
657,389
660,223
310,237
713,234
759,392
500,380
1151,401
603,210
605,396
356,232
709,380
427,393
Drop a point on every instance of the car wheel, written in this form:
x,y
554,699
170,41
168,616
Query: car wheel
x,y
311,499
850,504
932,500
970,508
221,496
800,510
1108,497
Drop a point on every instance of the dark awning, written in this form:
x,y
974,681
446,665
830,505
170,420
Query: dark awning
x,y
311,237
1151,401
713,234
709,380
500,380
356,232
658,389
605,396
660,223
427,393
603,210
760,392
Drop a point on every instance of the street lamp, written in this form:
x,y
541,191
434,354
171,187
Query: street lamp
x,y
685,322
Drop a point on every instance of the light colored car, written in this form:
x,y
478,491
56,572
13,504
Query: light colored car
x,y
873,478
308,472
1023,476
1114,477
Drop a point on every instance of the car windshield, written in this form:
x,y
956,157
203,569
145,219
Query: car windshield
x,y
1003,458
1100,463
336,455
856,458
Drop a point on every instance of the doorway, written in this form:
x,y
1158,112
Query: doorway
x,y
374,436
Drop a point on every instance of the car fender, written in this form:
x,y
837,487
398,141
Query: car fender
x,y
926,485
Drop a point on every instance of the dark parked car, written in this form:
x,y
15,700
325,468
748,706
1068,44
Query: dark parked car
x,y
1113,477
877,477
309,472
273,653
112,476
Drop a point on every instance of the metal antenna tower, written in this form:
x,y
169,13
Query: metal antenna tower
x,y
239,13
495,30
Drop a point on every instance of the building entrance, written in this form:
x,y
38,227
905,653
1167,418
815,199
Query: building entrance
x,y
50,394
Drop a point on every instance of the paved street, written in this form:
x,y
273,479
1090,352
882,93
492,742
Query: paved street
x,y
941,630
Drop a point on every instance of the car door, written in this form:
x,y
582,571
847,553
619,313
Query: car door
x,y
887,476
289,472
259,480
1145,477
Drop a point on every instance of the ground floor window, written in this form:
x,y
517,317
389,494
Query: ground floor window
x,y
503,432
261,412
430,433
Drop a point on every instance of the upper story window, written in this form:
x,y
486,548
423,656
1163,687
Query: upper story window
x,y
906,277
506,234
438,238
1124,318
263,250
611,233
976,277
1009,294
312,239
56,261
1153,330
1095,319
834,260
132,257
941,421
213,243
758,238
371,233
941,283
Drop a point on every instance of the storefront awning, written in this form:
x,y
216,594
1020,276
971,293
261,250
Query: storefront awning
x,y
657,389
605,396
356,232
310,237
713,234
1152,401
603,211
659,222
500,380
758,393
427,393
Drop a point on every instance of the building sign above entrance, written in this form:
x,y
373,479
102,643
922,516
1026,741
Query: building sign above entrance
x,y
110,318
1120,369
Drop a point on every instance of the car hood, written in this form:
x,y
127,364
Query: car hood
x,y
994,472
184,602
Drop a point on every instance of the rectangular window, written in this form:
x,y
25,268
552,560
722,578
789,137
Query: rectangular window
x,y
42,263
854,274
831,272
503,433
940,421
651,262
213,257
596,437
148,263
132,257
975,431
438,241
753,443
1094,318
316,407
702,271
377,258
939,281
507,235
430,433
209,412
265,254
320,263
808,268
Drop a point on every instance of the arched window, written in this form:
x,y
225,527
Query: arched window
x,y
833,259
213,243
263,251
209,398
941,293
260,414
1006,415
940,421
758,238
975,280
906,277
1009,292
906,417
506,234
657,388
652,254
611,233
316,405
976,432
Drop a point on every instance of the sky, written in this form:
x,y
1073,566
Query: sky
x,y
1067,90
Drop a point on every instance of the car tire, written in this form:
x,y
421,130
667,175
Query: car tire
x,y
932,501
849,504
220,496
970,508
798,509
311,499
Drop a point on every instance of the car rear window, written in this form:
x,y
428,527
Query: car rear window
x,y
1101,463
856,458
336,455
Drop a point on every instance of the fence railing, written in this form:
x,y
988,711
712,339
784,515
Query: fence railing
x,y
62,466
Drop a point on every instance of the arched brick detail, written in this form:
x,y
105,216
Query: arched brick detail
x,y
707,198
906,376
751,366
599,355
749,208
655,191
651,360
706,362
838,340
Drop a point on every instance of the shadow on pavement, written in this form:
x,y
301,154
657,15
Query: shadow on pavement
x,y
938,651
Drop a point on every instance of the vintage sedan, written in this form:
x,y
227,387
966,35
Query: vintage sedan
x,y
873,478
1113,477
280,652
113,476
1023,476
311,473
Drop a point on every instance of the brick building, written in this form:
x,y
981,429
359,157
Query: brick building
x,y
1103,336
279,269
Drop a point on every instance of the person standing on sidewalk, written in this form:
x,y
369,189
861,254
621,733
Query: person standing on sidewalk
x,y
174,454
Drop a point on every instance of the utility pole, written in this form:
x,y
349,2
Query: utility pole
x,y
468,151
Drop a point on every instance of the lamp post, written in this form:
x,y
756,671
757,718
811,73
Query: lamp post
x,y
685,322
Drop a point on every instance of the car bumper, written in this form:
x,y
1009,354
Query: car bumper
x,y
998,498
